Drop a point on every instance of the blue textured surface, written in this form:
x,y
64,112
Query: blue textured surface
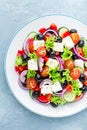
x,y
13,16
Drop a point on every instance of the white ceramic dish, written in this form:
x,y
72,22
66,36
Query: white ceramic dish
x,y
23,96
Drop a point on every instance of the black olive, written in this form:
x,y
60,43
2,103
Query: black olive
x,y
40,36
61,72
25,57
83,89
38,78
58,39
51,53
64,84
35,94
74,57
53,104
82,78
81,43
73,31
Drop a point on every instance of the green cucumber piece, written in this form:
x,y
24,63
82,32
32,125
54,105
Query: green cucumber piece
x,y
69,96
32,35
62,30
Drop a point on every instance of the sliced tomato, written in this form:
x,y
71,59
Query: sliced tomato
x,y
41,51
46,58
45,71
67,33
80,51
75,73
53,26
44,98
31,83
79,97
30,44
75,37
20,52
42,30
20,68
69,88
69,64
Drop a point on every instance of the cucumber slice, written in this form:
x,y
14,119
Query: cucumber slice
x,y
32,35
62,30
69,96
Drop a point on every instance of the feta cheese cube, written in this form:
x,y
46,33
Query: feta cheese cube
x,y
79,63
67,41
79,83
52,63
46,89
32,64
56,87
38,43
58,47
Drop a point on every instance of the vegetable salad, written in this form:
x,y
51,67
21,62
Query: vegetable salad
x,y
52,65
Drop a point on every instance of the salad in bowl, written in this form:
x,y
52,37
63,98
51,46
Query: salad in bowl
x,y
52,65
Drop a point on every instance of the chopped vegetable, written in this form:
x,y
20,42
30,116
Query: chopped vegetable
x,y
33,56
85,51
67,54
18,61
49,43
57,100
31,73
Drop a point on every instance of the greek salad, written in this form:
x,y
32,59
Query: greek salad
x,y
52,65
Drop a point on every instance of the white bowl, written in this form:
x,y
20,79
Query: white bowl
x,y
22,95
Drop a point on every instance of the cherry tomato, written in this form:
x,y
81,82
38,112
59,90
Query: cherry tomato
x,y
69,64
41,51
30,44
44,98
31,83
45,71
67,33
53,26
80,51
75,73
42,30
69,87
75,37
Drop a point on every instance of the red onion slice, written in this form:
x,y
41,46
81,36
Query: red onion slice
x,y
45,81
25,46
22,76
50,30
59,59
21,85
40,64
78,55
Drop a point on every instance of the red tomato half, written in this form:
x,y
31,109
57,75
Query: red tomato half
x,y
69,64
69,88
75,73
41,51
31,83
44,98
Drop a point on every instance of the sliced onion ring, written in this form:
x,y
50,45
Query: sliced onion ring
x,y
78,55
22,76
60,61
40,64
50,30
21,85
45,81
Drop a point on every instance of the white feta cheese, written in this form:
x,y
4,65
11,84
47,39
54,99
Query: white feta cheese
x,y
79,63
79,83
46,89
56,87
52,63
38,43
58,47
67,41
32,64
